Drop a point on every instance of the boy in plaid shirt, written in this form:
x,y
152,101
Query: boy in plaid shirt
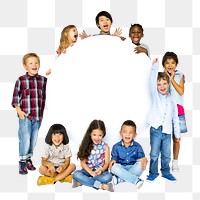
x,y
29,101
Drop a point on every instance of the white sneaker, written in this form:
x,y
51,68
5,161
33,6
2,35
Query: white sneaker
x,y
117,180
175,167
139,183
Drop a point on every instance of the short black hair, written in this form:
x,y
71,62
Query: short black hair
x,y
103,13
169,55
57,128
134,25
129,123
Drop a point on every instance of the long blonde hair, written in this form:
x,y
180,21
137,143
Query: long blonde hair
x,y
64,41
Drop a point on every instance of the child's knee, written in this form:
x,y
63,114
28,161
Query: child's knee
x,y
42,170
115,168
73,166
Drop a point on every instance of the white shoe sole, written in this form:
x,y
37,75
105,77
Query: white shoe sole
x,y
169,180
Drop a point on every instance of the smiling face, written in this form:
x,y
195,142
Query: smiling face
x,y
136,34
162,86
170,65
128,133
32,66
72,35
104,24
57,139
96,136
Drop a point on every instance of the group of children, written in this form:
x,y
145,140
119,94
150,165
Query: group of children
x,y
128,161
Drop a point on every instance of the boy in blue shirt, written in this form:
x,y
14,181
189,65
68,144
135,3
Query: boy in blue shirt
x,y
162,117
128,160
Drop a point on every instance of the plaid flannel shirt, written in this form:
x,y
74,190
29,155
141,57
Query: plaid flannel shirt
x,y
30,95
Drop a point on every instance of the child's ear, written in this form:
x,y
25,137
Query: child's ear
x,y
25,67
135,135
98,25
120,133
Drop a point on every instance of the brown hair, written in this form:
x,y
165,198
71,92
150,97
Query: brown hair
x,y
28,55
163,76
87,143
169,55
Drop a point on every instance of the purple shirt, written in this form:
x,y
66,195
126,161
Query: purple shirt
x,y
30,95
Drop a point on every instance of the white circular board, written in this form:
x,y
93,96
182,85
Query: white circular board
x,y
99,78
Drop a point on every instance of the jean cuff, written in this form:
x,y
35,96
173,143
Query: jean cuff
x,y
96,184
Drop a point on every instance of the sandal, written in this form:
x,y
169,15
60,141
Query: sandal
x,y
109,185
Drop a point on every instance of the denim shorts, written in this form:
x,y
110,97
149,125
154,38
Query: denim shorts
x,y
182,123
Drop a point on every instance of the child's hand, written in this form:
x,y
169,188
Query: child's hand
x,y
155,60
118,32
98,172
144,162
60,169
51,168
93,173
48,72
22,115
122,38
84,35
140,50
112,162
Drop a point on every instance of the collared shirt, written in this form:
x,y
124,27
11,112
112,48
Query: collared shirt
x,y
164,109
57,155
30,95
127,155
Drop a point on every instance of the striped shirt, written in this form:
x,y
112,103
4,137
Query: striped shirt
x,y
30,95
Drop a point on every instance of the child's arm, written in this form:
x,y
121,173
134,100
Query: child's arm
x,y
144,162
153,78
178,87
63,167
112,162
107,161
114,156
86,168
140,49
49,165
118,32
21,114
84,35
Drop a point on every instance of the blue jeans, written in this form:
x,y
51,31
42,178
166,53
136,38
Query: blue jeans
x,y
85,178
128,173
160,144
27,133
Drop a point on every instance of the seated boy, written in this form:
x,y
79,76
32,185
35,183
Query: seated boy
x,y
104,22
136,33
128,160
